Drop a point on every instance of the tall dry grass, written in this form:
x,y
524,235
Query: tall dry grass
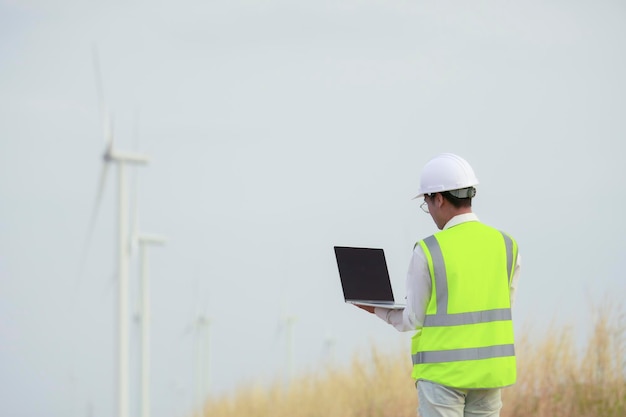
x,y
371,386
559,378
555,379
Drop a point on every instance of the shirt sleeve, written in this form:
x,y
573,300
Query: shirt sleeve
x,y
515,279
418,289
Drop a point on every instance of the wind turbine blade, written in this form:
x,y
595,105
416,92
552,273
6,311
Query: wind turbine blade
x,y
98,74
102,183
108,133
94,216
103,173
107,119
134,227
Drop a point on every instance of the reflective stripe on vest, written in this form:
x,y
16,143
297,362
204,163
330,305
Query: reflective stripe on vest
x,y
442,318
463,354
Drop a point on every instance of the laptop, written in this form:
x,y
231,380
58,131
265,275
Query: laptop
x,y
365,277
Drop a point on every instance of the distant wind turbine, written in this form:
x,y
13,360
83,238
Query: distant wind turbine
x,y
200,328
330,343
288,321
202,359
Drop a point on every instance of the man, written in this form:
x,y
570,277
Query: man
x,y
460,287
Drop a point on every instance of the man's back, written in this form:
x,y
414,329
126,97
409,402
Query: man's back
x,y
467,337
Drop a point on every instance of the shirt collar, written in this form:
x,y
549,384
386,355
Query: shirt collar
x,y
461,218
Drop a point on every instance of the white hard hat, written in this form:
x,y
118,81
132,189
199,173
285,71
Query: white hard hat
x,y
446,172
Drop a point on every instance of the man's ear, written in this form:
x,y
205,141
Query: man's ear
x,y
439,200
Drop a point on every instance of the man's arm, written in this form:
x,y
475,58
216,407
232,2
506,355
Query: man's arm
x,y
418,289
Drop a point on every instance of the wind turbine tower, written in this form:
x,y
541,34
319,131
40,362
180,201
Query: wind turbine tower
x,y
290,321
121,159
145,240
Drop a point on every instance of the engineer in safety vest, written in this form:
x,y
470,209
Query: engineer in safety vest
x,y
459,291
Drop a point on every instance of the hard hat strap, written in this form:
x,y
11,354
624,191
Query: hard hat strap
x,y
463,192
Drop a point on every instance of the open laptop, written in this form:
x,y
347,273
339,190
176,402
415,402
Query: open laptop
x,y
365,277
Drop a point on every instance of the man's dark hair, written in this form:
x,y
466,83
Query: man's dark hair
x,y
457,202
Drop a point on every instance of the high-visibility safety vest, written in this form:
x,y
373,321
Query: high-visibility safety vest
x,y
467,337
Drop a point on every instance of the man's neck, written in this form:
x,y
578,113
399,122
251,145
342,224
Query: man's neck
x,y
453,212
460,218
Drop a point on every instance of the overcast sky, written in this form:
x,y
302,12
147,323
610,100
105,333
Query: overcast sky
x,y
277,129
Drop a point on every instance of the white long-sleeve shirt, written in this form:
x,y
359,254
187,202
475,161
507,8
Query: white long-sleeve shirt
x,y
418,287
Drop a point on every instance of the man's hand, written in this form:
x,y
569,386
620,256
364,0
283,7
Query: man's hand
x,y
369,309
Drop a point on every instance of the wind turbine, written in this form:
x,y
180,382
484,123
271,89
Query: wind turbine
x,y
202,359
288,321
330,343
121,159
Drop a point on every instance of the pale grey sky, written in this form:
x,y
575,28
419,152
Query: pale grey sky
x,y
276,130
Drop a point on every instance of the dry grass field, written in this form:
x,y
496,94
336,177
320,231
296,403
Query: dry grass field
x,y
558,380
557,377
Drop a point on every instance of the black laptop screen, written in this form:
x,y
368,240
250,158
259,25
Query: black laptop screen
x,y
364,274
